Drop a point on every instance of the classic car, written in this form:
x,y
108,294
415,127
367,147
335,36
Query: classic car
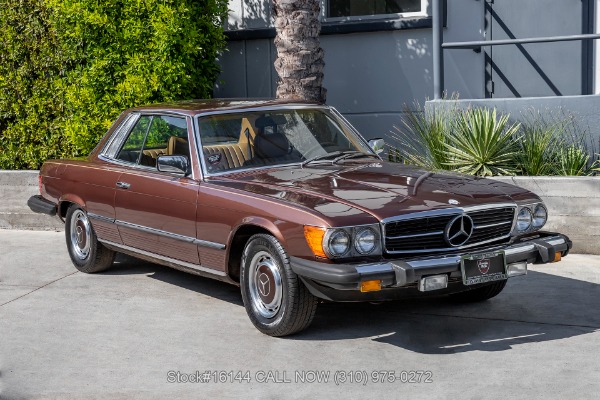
x,y
288,201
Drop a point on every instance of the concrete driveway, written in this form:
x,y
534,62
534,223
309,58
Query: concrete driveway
x,y
139,330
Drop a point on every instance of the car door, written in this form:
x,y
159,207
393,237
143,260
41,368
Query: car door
x,y
156,211
96,183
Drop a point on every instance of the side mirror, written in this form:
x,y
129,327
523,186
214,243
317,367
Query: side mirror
x,y
174,164
377,145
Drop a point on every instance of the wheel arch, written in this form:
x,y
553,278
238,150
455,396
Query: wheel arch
x,y
240,237
65,202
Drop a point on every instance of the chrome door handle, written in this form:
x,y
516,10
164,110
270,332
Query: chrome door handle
x,y
123,185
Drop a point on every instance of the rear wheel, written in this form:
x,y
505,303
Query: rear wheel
x,y
88,255
276,300
480,294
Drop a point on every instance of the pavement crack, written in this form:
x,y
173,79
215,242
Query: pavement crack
x,y
36,289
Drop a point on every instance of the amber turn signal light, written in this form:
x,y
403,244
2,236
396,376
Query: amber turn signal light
x,y
314,238
370,286
557,257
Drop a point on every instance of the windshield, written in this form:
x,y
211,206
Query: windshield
x,y
256,139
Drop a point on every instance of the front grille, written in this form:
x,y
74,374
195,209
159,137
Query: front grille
x,y
427,234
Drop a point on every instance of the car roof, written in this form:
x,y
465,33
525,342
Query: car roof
x,y
193,107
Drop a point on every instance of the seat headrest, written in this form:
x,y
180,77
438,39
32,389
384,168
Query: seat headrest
x,y
271,146
178,145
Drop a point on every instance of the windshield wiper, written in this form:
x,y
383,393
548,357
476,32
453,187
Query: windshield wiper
x,y
353,154
321,157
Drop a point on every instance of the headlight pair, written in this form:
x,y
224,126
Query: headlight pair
x,y
344,242
531,217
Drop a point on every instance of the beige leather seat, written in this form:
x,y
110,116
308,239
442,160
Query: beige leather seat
x,y
178,146
233,155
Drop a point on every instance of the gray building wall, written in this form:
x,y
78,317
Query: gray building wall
x,y
371,76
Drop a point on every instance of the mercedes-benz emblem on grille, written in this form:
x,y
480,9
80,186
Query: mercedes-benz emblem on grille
x,y
459,230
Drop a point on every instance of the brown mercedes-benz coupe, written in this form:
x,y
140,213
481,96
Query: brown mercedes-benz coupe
x,y
289,202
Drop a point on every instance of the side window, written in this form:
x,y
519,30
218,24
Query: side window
x,y
154,136
132,147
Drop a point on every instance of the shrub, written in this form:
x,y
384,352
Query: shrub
x,y
554,144
423,137
68,68
480,142
483,144
471,141
538,144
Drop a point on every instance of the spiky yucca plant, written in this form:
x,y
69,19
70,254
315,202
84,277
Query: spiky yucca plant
x,y
482,143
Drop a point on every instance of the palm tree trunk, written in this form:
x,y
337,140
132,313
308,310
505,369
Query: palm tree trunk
x,y
299,62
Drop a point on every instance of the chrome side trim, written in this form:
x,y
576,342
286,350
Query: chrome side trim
x,y
183,238
101,218
164,258
212,245
158,232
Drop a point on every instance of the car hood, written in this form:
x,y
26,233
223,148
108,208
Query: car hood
x,y
379,189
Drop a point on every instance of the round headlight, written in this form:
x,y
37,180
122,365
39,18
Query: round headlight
x,y
339,243
540,215
365,241
524,219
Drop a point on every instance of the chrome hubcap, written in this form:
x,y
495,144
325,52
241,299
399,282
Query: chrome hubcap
x,y
265,284
80,234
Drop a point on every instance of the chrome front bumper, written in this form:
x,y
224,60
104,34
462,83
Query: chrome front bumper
x,y
324,280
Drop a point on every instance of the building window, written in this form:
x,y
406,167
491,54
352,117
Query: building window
x,y
349,9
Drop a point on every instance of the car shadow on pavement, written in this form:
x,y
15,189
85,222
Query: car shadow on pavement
x,y
126,265
536,308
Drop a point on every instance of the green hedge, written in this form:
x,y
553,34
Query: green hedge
x,y
68,68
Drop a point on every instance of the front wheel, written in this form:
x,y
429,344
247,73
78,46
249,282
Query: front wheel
x,y
88,255
275,299
480,294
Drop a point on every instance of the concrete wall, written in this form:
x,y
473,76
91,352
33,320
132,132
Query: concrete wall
x,y
16,187
573,207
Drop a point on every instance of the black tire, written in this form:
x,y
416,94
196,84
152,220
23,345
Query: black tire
x,y
264,260
480,294
87,254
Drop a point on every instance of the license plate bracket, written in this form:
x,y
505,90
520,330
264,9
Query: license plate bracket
x,y
483,267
